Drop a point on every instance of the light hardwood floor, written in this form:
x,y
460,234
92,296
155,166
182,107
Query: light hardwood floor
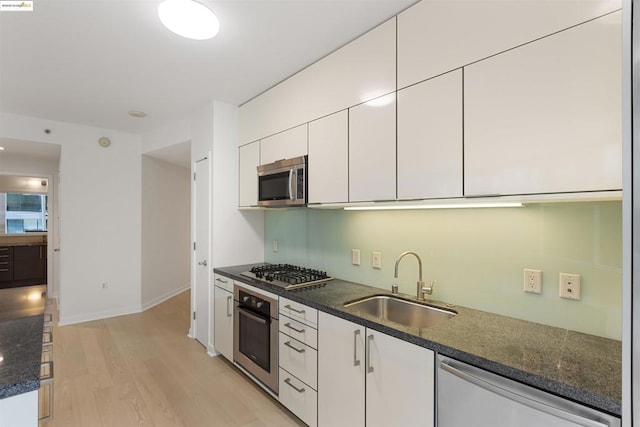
x,y
143,370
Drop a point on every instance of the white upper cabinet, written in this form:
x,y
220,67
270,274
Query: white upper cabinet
x,y
430,138
328,159
438,36
284,145
546,117
249,160
372,150
357,72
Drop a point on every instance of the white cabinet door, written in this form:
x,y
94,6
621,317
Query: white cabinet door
x,y
430,138
223,322
341,361
249,160
435,37
400,384
329,159
545,117
372,150
284,145
359,71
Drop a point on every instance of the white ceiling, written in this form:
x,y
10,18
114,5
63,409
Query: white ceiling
x,y
16,147
91,61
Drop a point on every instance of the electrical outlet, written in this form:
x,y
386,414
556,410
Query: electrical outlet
x,y
274,245
532,281
376,260
355,256
570,286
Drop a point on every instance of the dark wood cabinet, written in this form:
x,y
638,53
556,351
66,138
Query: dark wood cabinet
x,y
23,265
6,263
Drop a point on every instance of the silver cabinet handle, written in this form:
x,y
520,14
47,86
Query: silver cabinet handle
x,y
299,350
288,306
515,397
368,355
288,325
203,263
299,390
220,280
4,269
4,256
356,362
228,310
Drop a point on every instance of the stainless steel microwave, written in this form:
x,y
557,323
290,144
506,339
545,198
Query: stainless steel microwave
x,y
283,183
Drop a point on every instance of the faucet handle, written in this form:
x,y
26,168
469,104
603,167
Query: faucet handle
x,y
428,289
394,289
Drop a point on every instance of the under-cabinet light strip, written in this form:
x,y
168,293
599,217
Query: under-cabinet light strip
x,y
436,206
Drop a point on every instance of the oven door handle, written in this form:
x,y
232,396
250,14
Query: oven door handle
x,y
252,316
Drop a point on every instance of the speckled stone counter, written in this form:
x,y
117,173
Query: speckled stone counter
x,y
580,367
21,327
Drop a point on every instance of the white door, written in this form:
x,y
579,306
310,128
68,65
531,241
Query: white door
x,y
201,259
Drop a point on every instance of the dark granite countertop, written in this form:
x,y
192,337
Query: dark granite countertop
x,y
584,368
24,244
21,327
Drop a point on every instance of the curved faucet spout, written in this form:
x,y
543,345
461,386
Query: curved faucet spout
x,y
421,288
395,271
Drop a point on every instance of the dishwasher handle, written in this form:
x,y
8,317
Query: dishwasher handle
x,y
513,396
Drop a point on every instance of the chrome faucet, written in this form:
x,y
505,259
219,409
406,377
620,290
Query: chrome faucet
x,y
421,288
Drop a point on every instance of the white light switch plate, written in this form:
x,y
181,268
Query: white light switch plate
x,y
376,260
355,256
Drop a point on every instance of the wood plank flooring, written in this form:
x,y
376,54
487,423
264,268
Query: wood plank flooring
x,y
143,370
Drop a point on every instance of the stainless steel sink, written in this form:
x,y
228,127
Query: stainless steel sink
x,y
398,310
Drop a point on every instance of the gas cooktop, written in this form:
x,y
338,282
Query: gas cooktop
x,y
288,276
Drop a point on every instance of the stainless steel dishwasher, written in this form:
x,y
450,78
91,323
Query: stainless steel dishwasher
x,y
468,396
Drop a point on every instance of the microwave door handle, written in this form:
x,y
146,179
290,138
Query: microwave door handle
x,y
291,193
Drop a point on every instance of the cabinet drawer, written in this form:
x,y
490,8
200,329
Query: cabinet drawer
x,y
223,282
299,398
298,311
299,359
300,331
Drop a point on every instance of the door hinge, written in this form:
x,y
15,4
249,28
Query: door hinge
x,y
194,315
194,176
194,246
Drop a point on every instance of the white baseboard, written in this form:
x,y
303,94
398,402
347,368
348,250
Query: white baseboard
x,y
162,298
80,318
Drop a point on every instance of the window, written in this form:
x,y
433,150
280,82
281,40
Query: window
x,y
24,212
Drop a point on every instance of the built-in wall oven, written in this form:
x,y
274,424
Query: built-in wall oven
x,y
255,335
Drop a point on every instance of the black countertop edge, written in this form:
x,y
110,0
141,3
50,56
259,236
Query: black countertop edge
x,y
588,398
20,388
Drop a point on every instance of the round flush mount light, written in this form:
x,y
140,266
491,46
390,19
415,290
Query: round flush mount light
x,y
189,19
137,114
1,148
104,142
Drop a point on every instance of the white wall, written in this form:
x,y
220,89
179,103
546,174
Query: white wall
x,y
170,134
237,237
166,231
100,216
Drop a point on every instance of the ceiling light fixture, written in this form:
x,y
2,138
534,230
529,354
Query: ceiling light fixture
x,y
189,19
1,148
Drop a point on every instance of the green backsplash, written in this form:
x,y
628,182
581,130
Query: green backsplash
x,y
476,256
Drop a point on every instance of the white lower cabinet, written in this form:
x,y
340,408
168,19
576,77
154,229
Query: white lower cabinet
x,y
223,316
298,360
399,386
299,398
